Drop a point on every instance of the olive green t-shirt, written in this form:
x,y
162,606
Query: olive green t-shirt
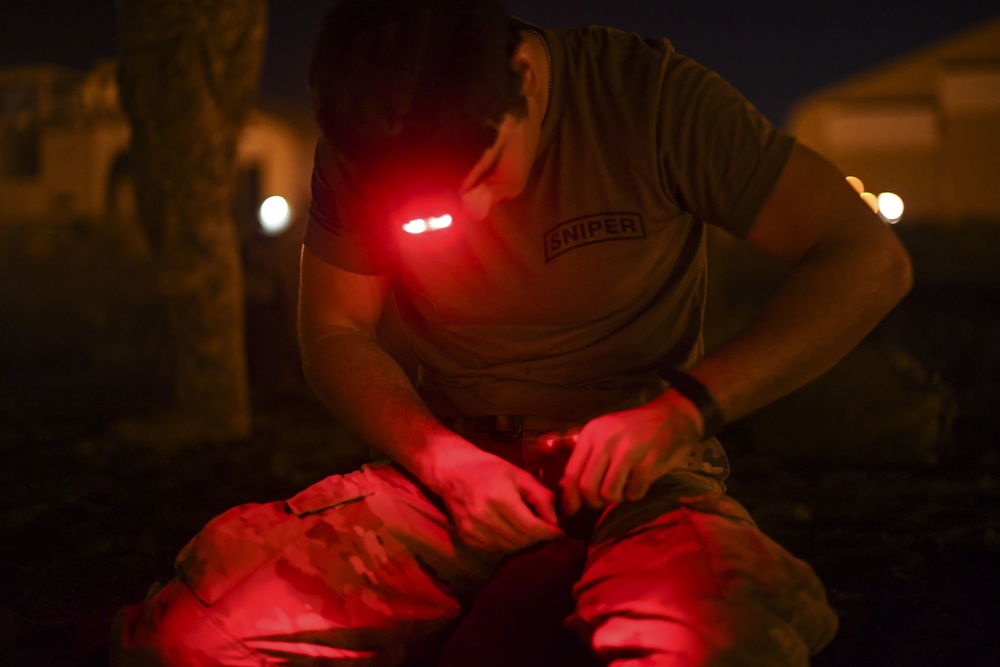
x,y
566,300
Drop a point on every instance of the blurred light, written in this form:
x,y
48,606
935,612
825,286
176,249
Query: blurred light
x,y
890,207
871,200
417,226
856,183
421,225
275,215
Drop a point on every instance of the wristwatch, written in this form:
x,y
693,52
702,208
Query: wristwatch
x,y
690,388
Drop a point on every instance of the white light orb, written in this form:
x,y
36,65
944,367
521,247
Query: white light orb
x,y
856,183
416,226
439,222
275,215
871,200
890,206
430,224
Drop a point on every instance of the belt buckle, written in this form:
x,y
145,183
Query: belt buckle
x,y
505,428
554,450
551,452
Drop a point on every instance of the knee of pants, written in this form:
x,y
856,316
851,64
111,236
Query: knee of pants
x,y
715,638
171,629
699,589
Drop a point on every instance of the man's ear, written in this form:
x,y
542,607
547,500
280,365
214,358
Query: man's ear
x,y
522,63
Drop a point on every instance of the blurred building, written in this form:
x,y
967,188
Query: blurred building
x,y
926,127
79,281
64,151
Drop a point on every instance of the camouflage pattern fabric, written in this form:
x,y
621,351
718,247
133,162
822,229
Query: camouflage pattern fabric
x,y
365,569
686,578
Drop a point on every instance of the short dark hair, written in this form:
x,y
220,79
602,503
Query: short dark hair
x,y
394,80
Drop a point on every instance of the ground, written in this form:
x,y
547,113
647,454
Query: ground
x,y
910,553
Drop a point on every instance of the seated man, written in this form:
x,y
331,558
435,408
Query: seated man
x,y
536,200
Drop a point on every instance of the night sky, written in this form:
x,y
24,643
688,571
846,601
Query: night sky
x,y
774,52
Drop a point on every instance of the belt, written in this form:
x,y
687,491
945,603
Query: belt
x,y
540,445
510,428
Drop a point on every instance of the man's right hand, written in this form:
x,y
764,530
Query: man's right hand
x,y
494,504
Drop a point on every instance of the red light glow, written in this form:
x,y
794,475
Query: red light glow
x,y
429,224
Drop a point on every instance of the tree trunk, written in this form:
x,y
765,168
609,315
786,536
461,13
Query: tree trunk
x,y
189,73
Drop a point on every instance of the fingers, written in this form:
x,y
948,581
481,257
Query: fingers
x,y
517,521
637,484
620,471
572,501
594,474
613,461
541,500
495,536
503,535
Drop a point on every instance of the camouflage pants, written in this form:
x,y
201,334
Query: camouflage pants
x,y
365,569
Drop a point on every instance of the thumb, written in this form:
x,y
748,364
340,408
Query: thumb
x,y
540,498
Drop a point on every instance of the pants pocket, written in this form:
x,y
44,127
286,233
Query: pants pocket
x,y
235,544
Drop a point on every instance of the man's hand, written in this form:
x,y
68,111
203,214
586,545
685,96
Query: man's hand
x,y
494,504
618,455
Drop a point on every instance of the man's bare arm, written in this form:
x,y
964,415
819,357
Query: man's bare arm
x,y
848,271
354,377
494,504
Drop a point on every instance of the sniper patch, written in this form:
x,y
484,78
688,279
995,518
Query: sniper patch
x,y
594,228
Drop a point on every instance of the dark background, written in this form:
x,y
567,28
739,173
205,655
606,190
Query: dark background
x,y
774,52
910,552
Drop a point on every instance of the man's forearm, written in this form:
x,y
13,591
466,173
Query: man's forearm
x,y
828,303
367,391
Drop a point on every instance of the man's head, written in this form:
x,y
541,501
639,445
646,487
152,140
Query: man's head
x,y
412,92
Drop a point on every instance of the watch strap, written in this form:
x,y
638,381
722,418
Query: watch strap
x,y
690,388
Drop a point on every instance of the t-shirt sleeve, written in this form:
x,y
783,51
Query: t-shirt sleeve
x,y
340,229
720,157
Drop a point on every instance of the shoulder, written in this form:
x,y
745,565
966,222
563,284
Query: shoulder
x,y
614,46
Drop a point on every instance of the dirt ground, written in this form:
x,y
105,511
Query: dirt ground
x,y
910,554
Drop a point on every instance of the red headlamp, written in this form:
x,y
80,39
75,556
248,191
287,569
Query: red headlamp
x,y
428,224
428,212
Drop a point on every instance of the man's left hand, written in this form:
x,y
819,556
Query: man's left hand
x,y
618,455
